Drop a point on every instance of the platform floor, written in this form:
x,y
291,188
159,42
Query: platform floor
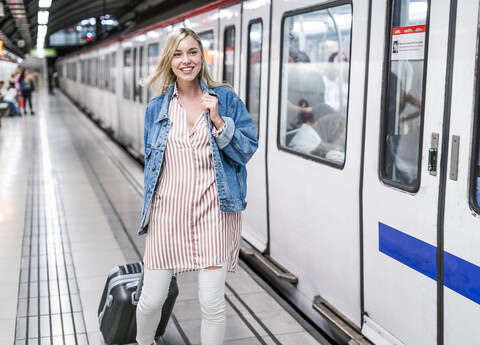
x,y
70,201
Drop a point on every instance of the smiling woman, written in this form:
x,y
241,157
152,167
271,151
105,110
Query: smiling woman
x,y
198,139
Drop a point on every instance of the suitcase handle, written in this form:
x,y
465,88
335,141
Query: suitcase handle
x,y
136,294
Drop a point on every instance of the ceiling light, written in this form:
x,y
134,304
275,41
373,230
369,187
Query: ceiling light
x,y
42,31
42,17
44,3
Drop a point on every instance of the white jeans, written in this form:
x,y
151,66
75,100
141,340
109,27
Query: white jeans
x,y
211,293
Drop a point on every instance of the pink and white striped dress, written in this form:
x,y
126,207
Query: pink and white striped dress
x,y
187,230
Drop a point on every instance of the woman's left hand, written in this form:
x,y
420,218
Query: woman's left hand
x,y
210,104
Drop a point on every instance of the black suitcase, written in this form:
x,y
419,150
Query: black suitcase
x,y
116,312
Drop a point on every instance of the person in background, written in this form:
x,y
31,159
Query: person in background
x,y
26,87
35,78
332,130
307,138
11,81
50,80
198,137
4,98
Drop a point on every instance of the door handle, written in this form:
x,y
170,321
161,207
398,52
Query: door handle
x,y
432,155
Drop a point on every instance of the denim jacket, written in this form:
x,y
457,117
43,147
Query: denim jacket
x,y
232,149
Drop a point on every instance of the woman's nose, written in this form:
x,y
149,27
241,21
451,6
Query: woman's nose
x,y
185,58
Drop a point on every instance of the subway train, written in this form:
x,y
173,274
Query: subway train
x,y
363,203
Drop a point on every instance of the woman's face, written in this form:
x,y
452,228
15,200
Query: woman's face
x,y
187,60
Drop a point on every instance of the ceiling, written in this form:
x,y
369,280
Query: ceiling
x,y
19,22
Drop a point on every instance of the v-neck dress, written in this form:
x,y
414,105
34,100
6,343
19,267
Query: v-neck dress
x,y
187,230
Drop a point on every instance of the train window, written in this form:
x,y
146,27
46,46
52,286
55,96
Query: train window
x,y
134,75
100,73
89,72
476,173
140,73
402,122
107,72
229,55
127,73
208,51
254,68
314,85
113,74
96,72
82,72
153,56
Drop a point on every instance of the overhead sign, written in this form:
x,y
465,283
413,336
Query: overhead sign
x,y
40,53
408,42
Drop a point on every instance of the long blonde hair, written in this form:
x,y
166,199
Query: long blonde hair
x,y
163,77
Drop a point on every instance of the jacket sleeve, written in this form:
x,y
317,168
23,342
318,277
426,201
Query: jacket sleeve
x,y
238,140
145,127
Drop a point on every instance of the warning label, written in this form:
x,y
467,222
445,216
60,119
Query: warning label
x,y
408,43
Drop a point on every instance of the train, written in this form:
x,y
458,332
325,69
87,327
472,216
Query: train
x,y
363,197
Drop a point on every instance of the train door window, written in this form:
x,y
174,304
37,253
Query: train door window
x,y
134,75
101,67
82,72
96,72
476,174
208,51
254,68
113,73
127,73
314,83
89,72
107,72
140,73
403,118
229,55
153,56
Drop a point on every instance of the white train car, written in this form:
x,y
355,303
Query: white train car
x,y
364,193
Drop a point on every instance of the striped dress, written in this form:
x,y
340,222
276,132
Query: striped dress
x,y
187,230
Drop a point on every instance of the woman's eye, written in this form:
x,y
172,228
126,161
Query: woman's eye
x,y
176,54
193,52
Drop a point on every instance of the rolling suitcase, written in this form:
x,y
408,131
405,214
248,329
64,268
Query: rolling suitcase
x,y
116,312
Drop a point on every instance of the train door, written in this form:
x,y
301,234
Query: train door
x,y
403,140
254,91
314,148
128,127
462,194
206,26
229,45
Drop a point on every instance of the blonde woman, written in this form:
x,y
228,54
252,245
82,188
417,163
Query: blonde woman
x,y
198,138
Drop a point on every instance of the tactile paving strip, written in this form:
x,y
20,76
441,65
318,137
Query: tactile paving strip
x,y
49,307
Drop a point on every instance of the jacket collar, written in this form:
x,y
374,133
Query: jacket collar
x,y
168,96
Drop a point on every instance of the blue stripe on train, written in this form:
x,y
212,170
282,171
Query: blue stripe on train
x,y
461,276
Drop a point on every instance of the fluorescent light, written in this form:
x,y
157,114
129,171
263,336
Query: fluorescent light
x,y
44,3
42,17
42,31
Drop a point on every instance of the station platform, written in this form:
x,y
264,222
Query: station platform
x,y
70,200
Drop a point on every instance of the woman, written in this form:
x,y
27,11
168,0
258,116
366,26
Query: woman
x,y
26,88
198,137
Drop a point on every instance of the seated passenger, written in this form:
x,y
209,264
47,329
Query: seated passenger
x,y
332,133
5,98
307,138
296,55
